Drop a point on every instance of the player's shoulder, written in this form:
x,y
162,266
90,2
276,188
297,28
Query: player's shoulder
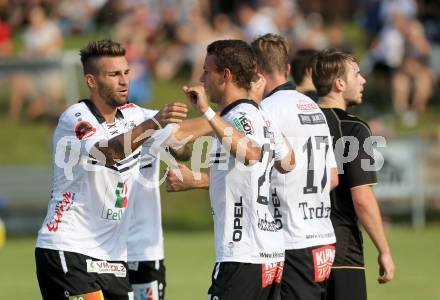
x,y
131,109
240,107
76,111
350,124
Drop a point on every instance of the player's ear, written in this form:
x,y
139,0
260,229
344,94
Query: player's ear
x,y
227,74
339,84
288,70
90,81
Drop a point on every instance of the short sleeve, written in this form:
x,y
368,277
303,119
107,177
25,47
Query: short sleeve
x,y
247,122
80,127
355,174
160,138
281,147
148,113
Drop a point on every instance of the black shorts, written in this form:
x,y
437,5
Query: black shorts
x,y
245,281
147,279
306,272
70,275
349,247
347,283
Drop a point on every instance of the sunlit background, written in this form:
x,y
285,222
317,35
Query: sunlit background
x,y
397,43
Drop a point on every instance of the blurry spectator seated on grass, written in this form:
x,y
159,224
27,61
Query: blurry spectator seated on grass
x,y
42,89
413,82
301,71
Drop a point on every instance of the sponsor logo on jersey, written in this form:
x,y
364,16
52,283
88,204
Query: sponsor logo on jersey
x,y
276,212
89,296
243,124
115,213
272,273
128,105
104,267
323,258
311,119
60,208
238,217
121,195
84,130
307,106
267,225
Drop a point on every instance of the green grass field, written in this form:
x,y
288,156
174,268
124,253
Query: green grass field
x,y
190,257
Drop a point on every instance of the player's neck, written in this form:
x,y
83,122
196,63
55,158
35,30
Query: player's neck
x,y
231,95
274,81
330,101
305,86
108,112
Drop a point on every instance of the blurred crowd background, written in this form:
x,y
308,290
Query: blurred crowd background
x,y
397,43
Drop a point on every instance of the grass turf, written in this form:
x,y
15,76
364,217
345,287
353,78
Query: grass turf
x,y
190,259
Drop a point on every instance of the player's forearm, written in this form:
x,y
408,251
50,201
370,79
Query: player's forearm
x,y
183,153
190,130
202,183
288,162
239,145
368,212
123,145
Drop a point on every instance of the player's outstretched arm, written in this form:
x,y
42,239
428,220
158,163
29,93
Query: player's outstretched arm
x,y
191,129
368,212
187,180
237,141
123,145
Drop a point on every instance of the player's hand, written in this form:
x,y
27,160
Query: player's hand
x,y
174,184
197,96
171,113
257,88
386,268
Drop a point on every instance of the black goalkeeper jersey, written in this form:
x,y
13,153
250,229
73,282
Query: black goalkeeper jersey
x,y
352,173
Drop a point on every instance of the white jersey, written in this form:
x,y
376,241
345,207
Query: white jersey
x,y
89,211
244,227
303,195
145,239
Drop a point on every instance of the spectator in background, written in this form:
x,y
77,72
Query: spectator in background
x,y
133,31
42,41
222,28
413,83
75,16
301,71
5,33
255,22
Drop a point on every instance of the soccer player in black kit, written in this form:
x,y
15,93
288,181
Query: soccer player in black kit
x,y
339,84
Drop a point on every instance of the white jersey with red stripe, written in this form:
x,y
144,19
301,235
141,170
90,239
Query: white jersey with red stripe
x,y
244,226
303,195
89,211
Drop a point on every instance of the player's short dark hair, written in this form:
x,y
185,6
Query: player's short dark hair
x,y
300,63
272,51
97,49
238,57
327,66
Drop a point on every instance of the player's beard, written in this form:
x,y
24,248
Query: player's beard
x,y
111,97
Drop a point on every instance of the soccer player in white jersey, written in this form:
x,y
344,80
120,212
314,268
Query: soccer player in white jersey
x,y
81,247
249,246
302,197
145,246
